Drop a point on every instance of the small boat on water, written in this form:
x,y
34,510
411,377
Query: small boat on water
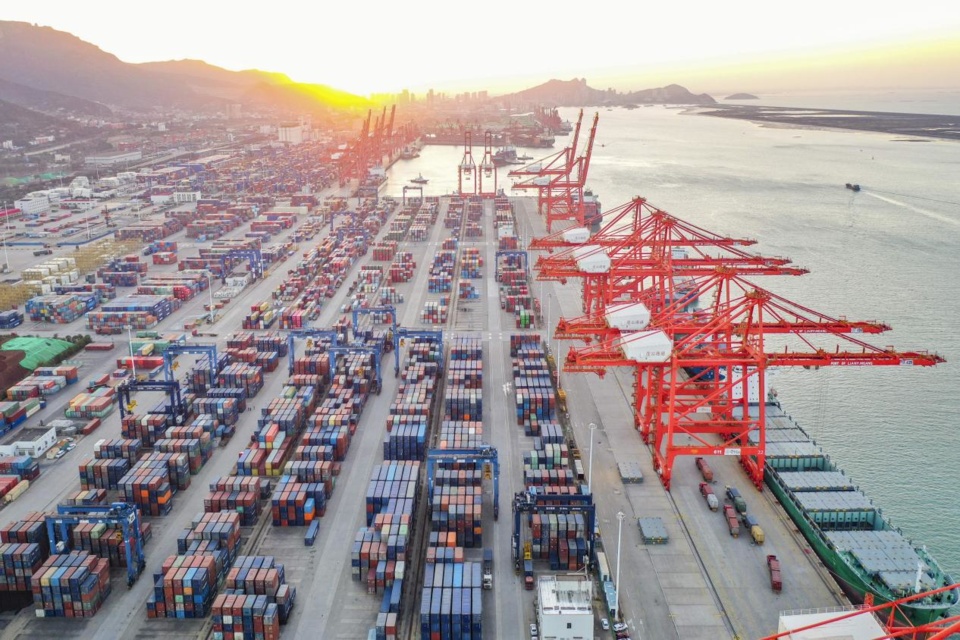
x,y
853,187
525,158
419,180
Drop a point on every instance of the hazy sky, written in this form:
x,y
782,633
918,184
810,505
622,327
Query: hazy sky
x,y
377,45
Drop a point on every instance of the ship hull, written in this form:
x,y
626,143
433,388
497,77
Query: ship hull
x,y
852,583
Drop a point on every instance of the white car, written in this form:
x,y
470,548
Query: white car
x,y
605,624
533,630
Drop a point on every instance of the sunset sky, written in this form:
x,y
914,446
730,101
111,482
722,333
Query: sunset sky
x,y
379,46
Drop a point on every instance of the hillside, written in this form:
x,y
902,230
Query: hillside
x,y
49,101
44,59
576,93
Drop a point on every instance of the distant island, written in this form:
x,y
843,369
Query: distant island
x,y
742,96
905,124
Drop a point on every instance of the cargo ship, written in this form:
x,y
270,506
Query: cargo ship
x,y
862,550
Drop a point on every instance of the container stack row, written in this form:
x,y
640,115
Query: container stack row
x,y
380,550
411,411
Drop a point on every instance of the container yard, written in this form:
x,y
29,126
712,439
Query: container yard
x,y
292,486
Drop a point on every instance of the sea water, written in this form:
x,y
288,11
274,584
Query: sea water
x,y
890,252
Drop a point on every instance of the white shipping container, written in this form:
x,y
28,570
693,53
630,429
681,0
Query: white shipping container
x,y
647,346
576,235
592,259
629,316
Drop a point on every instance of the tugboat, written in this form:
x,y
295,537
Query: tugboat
x,y
853,187
419,180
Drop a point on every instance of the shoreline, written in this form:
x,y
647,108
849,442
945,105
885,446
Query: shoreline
x,y
915,125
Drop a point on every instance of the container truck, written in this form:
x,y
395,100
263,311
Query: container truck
x,y
705,470
751,524
734,494
776,582
707,492
488,568
528,575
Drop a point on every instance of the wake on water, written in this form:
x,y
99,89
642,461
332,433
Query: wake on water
x,y
933,215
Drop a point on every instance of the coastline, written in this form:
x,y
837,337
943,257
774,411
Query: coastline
x,y
915,125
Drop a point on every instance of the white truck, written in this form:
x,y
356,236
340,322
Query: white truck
x,y
488,568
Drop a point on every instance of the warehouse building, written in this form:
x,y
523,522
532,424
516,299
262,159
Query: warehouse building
x,y
564,607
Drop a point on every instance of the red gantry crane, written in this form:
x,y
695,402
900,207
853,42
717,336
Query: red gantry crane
x,y
355,158
467,170
560,180
889,614
487,182
655,253
700,375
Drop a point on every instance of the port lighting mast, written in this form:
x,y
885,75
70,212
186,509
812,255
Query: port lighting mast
x,y
467,171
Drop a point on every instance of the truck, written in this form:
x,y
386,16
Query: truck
x,y
707,492
10,319
488,569
730,513
705,470
734,494
776,581
750,524
528,575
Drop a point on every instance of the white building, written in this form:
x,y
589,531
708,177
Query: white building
x,y
186,196
32,204
112,158
564,607
291,133
32,442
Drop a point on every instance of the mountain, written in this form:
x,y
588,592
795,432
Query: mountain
x,y
576,93
45,59
19,124
204,78
50,60
49,101
742,96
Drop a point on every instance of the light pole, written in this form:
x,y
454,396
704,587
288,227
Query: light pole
x,y
133,362
620,516
6,216
210,293
593,427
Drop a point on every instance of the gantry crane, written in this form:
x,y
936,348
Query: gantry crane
x,y
467,170
488,169
532,502
355,158
561,180
175,409
309,335
726,351
652,261
485,455
889,614
209,350
118,514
